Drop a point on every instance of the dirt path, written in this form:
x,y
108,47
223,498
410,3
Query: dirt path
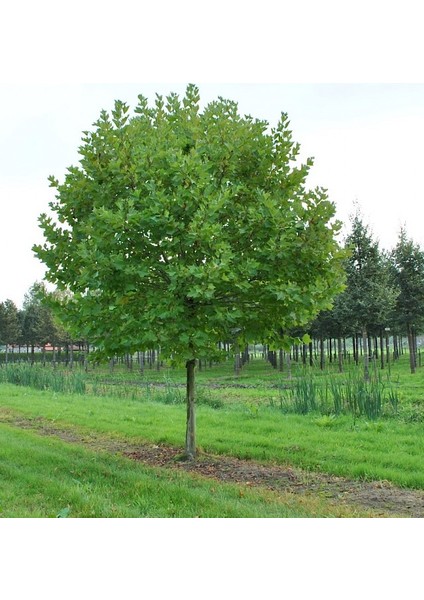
x,y
382,497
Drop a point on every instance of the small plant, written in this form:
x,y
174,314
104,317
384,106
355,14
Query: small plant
x,y
337,391
326,421
301,396
169,393
252,410
373,426
204,396
393,398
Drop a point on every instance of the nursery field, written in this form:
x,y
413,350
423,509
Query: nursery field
x,y
108,443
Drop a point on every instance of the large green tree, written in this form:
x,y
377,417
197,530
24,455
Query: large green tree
x,y
182,226
408,275
369,298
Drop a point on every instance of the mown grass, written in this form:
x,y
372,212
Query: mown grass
x,y
44,477
388,449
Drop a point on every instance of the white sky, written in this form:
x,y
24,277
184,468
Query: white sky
x,y
366,139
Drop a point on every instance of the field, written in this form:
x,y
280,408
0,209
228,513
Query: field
x,y
108,443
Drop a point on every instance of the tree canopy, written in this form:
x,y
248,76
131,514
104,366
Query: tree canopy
x,y
408,275
184,227
9,323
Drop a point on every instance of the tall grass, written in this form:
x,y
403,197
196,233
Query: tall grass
x,y
339,394
42,378
77,382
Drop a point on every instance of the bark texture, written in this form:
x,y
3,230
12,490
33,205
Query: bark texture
x,y
190,447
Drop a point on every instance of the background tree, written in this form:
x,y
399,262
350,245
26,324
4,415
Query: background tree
x,y
408,275
332,324
37,320
369,296
180,226
9,325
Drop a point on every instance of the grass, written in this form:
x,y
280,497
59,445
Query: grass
x,y
43,477
388,449
240,417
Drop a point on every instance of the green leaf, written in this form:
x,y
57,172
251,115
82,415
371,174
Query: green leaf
x,y
180,226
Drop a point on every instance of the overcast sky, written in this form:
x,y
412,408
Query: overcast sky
x,y
366,140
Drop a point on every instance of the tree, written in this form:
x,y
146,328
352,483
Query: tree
x,y
38,326
369,297
180,227
9,324
408,275
331,324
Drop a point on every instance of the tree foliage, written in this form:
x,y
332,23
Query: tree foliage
x,y
9,322
369,296
366,305
408,275
181,228
37,319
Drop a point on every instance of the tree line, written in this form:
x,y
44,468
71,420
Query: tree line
x,y
32,327
383,299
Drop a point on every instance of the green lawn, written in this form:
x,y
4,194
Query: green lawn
x,y
41,476
387,449
45,477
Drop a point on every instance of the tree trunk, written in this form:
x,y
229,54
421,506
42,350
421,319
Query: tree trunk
x,y
387,350
288,358
321,351
237,360
86,351
340,354
366,354
411,344
395,347
355,349
280,360
190,447
381,350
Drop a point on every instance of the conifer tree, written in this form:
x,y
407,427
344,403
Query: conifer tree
x,y
369,296
408,275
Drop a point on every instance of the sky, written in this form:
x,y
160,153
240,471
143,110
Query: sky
x,y
366,140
